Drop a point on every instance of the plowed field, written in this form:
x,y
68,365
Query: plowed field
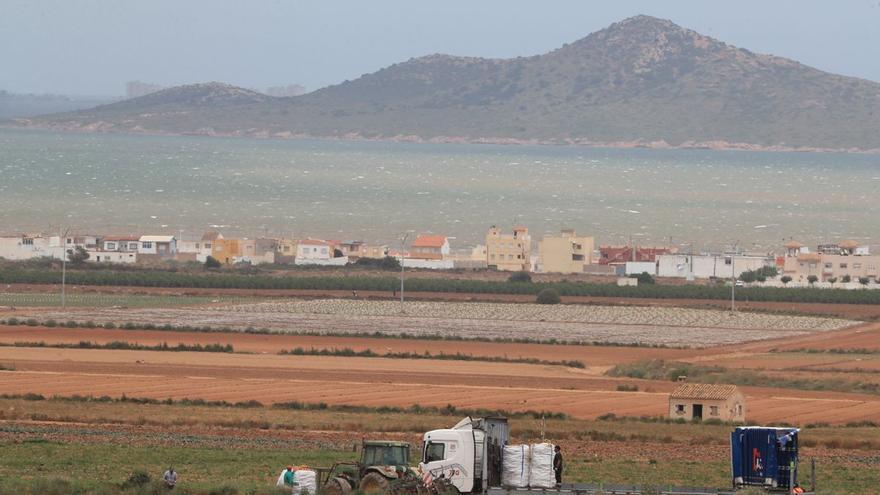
x,y
374,382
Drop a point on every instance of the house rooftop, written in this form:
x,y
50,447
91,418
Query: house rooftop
x,y
122,238
156,238
314,242
425,240
703,391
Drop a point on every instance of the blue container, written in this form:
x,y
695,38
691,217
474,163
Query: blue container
x,y
764,456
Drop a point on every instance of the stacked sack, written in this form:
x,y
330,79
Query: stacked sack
x,y
541,473
515,462
306,481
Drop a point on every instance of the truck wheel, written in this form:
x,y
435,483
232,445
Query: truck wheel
x,y
374,483
337,486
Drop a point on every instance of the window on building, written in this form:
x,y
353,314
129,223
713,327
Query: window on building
x,y
323,250
132,246
70,241
856,266
147,245
713,410
739,409
679,408
812,265
728,260
829,265
197,245
577,257
843,265
207,245
27,242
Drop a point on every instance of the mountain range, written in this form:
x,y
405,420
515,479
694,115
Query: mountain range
x,y
639,82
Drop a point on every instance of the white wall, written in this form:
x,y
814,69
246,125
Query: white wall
x,y
341,261
313,252
706,266
111,257
430,264
639,267
13,248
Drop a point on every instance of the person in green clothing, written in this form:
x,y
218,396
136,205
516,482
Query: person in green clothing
x,y
289,477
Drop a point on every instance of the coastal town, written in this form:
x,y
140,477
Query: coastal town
x,y
845,264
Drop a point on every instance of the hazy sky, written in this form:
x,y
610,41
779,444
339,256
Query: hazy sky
x,y
92,47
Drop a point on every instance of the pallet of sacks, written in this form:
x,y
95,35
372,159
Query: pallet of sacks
x,y
528,466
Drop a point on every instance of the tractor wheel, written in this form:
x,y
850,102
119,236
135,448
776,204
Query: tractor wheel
x,y
337,486
373,483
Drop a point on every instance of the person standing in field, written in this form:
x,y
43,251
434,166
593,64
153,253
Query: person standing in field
x,y
170,478
557,465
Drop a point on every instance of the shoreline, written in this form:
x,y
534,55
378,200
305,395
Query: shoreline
x,y
715,145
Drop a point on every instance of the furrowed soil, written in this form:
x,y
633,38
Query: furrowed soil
x,y
271,378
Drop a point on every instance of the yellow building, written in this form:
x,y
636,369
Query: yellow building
x,y
509,252
842,262
565,253
226,250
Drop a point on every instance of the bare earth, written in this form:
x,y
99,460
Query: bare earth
x,y
271,378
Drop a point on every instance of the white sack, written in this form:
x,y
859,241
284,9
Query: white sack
x,y
307,480
280,481
515,466
541,474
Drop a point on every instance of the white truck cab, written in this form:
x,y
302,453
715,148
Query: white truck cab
x,y
468,455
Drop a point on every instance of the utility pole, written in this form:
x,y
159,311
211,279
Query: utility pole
x,y
733,278
402,266
63,242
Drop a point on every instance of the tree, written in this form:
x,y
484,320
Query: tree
x,y
520,277
812,279
212,263
548,296
832,280
785,279
864,280
77,255
846,279
644,278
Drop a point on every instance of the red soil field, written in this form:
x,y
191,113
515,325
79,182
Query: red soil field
x,y
272,378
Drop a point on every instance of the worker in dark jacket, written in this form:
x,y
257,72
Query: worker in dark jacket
x,y
557,465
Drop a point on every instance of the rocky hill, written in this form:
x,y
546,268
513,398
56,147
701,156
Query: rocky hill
x,y
640,82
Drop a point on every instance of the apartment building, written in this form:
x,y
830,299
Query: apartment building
x,y
830,262
509,252
565,253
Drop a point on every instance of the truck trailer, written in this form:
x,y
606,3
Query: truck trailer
x,y
468,459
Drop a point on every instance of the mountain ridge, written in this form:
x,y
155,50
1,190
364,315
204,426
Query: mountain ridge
x,y
642,81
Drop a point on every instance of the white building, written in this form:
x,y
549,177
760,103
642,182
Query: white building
x,y
317,252
708,265
101,256
160,245
24,247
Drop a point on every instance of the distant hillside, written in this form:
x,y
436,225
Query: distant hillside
x,y
643,81
26,105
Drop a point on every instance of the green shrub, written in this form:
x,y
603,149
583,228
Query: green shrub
x,y
525,277
548,296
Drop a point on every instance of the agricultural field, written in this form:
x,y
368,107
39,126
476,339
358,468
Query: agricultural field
x,y
681,327
99,300
214,446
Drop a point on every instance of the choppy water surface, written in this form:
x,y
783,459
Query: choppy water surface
x,y
375,191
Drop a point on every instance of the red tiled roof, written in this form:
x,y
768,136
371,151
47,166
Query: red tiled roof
x,y
313,242
424,240
703,391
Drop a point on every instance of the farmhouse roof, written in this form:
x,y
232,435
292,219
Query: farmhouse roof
x,y
809,257
793,245
425,240
703,391
212,235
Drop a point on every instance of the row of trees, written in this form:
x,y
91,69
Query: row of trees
x,y
390,283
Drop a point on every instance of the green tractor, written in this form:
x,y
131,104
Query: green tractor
x,y
382,469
